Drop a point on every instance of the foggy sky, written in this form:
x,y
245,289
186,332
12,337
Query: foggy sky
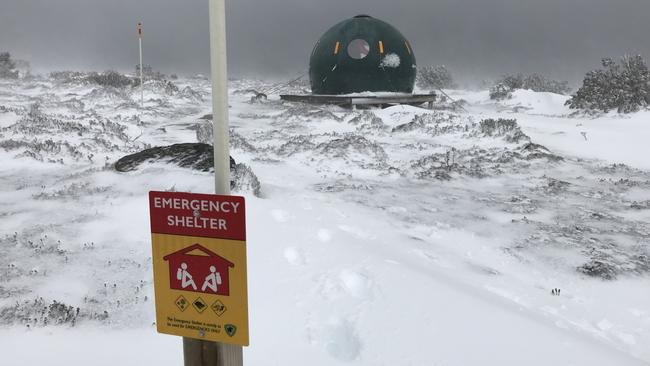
x,y
474,38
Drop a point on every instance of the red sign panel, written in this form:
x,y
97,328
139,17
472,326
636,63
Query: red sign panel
x,y
198,269
192,214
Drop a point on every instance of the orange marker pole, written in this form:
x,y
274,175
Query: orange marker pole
x,y
141,69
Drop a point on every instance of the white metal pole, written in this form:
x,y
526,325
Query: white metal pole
x,y
198,352
141,70
219,72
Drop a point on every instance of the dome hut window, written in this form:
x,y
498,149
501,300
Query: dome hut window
x,y
358,49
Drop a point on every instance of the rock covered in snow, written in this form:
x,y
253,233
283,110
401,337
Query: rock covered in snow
x,y
196,156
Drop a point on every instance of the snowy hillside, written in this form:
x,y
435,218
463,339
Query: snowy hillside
x,y
402,236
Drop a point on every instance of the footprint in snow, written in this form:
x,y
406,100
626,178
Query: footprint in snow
x,y
346,284
356,231
324,235
340,339
280,215
356,284
294,256
626,338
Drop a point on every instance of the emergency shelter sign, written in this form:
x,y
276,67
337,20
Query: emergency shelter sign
x,y
199,265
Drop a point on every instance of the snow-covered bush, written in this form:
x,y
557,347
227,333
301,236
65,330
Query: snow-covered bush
x,y
500,92
623,86
512,81
435,77
540,83
69,76
7,67
160,86
508,83
508,128
599,269
110,78
149,73
243,180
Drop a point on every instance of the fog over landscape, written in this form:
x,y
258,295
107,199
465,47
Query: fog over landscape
x,y
476,39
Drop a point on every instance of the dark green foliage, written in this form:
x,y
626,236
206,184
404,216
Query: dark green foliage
x,y
623,86
435,77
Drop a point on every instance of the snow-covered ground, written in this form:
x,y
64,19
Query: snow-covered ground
x,y
401,236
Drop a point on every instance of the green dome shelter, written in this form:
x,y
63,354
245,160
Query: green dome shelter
x,y
362,54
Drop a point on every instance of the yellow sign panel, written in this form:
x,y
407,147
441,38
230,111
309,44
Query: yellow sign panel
x,y
200,282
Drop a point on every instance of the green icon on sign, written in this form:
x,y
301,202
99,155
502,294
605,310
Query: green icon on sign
x,y
230,329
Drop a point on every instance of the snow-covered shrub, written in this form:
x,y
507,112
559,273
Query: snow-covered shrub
x,y
149,73
508,128
512,81
204,132
500,92
7,66
623,86
160,86
354,149
538,83
243,180
110,78
435,77
599,269
68,76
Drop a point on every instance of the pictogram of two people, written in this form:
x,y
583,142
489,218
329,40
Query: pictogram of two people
x,y
211,281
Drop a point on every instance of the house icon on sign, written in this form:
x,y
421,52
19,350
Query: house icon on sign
x,y
198,269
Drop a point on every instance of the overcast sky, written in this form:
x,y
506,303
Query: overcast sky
x,y
474,38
